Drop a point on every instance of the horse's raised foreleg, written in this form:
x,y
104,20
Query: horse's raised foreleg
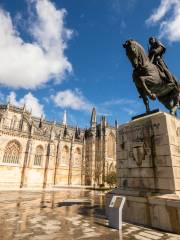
x,y
144,86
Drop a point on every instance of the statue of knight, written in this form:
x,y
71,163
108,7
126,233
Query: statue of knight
x,y
156,52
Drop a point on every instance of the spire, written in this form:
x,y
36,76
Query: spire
x,y
32,126
8,102
52,135
66,131
93,117
24,107
41,122
103,121
65,118
116,124
77,133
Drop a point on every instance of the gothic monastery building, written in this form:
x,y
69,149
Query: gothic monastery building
x,y
35,153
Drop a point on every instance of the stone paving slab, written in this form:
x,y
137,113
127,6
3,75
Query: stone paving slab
x,y
65,214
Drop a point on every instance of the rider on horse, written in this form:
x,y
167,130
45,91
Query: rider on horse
x,y
151,75
156,51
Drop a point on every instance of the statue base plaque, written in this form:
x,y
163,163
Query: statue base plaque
x,y
148,171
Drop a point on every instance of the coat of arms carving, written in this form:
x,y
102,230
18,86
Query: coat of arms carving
x,y
138,152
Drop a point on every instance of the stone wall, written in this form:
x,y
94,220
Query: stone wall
x,y
148,154
36,153
148,170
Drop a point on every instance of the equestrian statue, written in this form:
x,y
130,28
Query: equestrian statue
x,y
152,76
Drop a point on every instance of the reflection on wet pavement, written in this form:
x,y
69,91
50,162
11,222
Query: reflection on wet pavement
x,y
64,214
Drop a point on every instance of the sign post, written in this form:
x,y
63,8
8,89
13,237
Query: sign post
x,y
115,211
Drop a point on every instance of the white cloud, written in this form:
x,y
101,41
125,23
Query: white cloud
x,y
31,64
130,111
169,26
121,101
161,11
31,103
129,106
71,99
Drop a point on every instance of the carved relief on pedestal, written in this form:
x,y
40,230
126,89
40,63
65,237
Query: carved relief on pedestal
x,y
138,152
136,141
178,132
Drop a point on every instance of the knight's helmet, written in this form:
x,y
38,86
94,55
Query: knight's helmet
x,y
152,40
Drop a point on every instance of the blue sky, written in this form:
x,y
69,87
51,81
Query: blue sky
x,y
67,54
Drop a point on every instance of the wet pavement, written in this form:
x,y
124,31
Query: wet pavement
x,y
64,214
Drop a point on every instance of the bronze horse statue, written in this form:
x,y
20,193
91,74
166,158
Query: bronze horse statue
x,y
150,80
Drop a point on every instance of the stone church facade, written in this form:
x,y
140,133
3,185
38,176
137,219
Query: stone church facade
x,y
35,153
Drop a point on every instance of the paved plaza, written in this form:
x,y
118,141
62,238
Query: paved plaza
x,y
69,214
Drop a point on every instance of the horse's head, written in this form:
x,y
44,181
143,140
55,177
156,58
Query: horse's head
x,y
135,53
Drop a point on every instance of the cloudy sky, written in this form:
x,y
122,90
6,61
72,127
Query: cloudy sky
x,y
67,54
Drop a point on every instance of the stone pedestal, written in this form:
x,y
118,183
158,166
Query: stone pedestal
x,y
148,170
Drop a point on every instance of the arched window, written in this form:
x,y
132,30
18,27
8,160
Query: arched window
x,y
77,156
65,155
12,152
111,145
38,156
